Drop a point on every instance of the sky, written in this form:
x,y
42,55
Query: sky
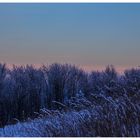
x,y
88,35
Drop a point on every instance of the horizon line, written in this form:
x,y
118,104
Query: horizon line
x,y
86,68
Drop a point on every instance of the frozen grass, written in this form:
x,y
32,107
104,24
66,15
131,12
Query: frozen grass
x,y
114,119
68,124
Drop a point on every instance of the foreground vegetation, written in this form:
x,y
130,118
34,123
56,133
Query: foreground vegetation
x,y
62,100
108,120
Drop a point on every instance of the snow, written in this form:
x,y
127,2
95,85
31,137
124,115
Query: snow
x,y
66,101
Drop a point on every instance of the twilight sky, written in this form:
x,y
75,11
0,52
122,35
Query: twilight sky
x,y
90,36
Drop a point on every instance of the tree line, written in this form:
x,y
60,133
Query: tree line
x,y
24,90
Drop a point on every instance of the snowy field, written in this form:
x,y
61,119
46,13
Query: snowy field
x,y
84,123
69,124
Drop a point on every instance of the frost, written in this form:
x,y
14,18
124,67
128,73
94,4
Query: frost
x,y
63,100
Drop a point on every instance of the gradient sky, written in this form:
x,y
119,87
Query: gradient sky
x,y
88,35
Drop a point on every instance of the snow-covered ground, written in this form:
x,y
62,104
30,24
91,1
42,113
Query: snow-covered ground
x,y
85,123
68,124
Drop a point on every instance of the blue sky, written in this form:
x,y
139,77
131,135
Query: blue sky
x,y
88,35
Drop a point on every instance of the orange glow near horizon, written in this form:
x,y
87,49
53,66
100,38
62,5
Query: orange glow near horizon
x,y
87,68
119,69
